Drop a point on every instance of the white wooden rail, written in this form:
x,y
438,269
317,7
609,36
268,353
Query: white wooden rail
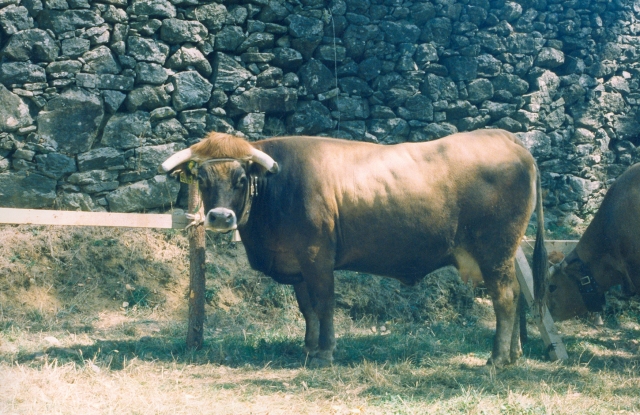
x,y
72,218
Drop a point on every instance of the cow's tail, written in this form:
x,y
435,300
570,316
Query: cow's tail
x,y
540,267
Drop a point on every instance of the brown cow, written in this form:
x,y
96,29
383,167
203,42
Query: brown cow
x,y
305,206
607,254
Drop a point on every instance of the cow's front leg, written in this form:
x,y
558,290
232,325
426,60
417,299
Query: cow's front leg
x,y
320,287
312,331
504,291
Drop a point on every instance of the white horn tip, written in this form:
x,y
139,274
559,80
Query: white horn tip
x,y
165,167
265,160
178,158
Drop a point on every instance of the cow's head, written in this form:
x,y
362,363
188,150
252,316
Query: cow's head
x,y
569,285
226,168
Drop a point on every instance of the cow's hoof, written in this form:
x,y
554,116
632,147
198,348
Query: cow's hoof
x,y
311,351
318,363
320,359
497,363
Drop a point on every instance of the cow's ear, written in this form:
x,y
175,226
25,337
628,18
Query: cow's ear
x,y
185,172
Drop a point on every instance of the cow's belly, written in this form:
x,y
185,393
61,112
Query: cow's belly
x,y
400,262
411,269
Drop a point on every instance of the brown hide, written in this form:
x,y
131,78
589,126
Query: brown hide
x,y
401,211
608,252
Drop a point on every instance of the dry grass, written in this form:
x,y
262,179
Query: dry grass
x,y
67,344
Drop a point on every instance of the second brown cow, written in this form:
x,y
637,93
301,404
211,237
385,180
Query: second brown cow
x,y
607,254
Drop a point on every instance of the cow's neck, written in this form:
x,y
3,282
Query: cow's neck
x,y
592,293
251,193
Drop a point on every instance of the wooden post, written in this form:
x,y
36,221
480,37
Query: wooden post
x,y
195,333
550,336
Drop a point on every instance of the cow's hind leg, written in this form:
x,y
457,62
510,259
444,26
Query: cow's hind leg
x,y
519,334
505,292
312,332
522,314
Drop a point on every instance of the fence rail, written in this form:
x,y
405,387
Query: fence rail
x,y
175,220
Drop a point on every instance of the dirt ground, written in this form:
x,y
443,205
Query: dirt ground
x,y
93,320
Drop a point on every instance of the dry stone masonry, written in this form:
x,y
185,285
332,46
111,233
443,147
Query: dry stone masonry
x,y
95,94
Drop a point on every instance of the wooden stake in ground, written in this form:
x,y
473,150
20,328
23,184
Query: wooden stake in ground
x,y
195,333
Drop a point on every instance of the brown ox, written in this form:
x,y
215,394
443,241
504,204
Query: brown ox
x,y
607,254
306,206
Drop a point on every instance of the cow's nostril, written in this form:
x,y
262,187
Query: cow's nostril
x,y
221,218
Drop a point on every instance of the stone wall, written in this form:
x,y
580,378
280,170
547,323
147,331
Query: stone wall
x,y
94,95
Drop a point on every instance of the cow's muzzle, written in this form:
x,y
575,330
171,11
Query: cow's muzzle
x,y
221,220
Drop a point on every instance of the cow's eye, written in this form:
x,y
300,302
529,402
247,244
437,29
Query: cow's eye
x,y
552,288
241,182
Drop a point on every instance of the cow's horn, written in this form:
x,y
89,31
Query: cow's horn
x,y
264,160
178,158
